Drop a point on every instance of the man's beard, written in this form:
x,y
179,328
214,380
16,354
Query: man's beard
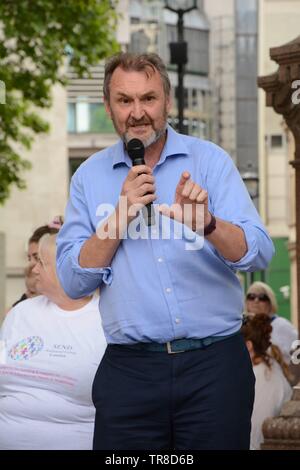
x,y
155,135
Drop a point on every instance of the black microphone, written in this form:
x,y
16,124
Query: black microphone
x,y
136,152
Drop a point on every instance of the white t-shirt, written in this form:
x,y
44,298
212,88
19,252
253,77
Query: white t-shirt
x,y
283,335
48,365
272,390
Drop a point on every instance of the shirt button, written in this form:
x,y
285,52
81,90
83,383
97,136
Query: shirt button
x,y
177,320
168,290
160,260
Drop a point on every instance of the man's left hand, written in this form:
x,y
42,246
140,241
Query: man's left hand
x,y
191,204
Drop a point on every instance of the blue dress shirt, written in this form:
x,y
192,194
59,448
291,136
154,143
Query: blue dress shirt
x,y
159,289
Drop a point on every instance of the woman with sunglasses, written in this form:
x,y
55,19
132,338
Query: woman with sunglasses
x,y
260,299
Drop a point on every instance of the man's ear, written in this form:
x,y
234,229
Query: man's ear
x,y
107,108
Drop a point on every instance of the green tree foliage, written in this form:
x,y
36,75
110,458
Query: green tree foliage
x,y
36,39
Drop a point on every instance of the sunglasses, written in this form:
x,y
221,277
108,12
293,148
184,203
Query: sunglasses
x,y
260,297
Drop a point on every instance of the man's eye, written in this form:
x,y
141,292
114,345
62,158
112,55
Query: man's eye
x,y
150,98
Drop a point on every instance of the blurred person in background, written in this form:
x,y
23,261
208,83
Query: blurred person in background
x,y
53,345
272,388
261,299
32,256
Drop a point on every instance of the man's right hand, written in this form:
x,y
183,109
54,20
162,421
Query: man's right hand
x,y
99,250
139,190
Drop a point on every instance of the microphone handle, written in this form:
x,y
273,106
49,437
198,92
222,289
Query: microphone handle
x,y
148,210
138,161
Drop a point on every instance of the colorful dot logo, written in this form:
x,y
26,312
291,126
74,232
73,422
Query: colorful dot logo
x,y
26,348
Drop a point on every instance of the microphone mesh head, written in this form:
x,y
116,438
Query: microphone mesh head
x,y
135,149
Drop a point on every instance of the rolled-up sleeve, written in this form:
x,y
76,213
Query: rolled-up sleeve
x,y
77,281
260,249
230,201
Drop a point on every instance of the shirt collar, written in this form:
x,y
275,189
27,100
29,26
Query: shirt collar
x,y
175,145
120,155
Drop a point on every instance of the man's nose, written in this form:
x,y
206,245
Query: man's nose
x,y
137,111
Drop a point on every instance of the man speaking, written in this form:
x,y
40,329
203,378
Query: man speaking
x,y
176,373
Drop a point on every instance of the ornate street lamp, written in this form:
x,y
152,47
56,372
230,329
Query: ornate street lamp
x,y
251,180
178,50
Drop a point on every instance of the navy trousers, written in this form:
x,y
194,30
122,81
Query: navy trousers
x,y
195,400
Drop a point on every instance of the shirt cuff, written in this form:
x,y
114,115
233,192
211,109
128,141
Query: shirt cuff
x,y
247,262
106,272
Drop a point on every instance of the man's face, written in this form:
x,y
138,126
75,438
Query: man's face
x,y
138,105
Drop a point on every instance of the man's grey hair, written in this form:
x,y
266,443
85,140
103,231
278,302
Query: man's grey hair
x,y
148,63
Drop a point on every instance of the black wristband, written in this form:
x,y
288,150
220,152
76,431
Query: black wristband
x,y
211,226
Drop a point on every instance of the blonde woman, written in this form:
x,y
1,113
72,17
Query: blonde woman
x,y
53,347
261,299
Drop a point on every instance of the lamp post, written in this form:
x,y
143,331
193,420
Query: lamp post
x,y
251,180
178,50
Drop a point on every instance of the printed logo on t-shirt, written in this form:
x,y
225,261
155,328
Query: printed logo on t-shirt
x,y
26,348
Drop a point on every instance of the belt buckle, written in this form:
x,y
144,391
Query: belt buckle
x,y
169,349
